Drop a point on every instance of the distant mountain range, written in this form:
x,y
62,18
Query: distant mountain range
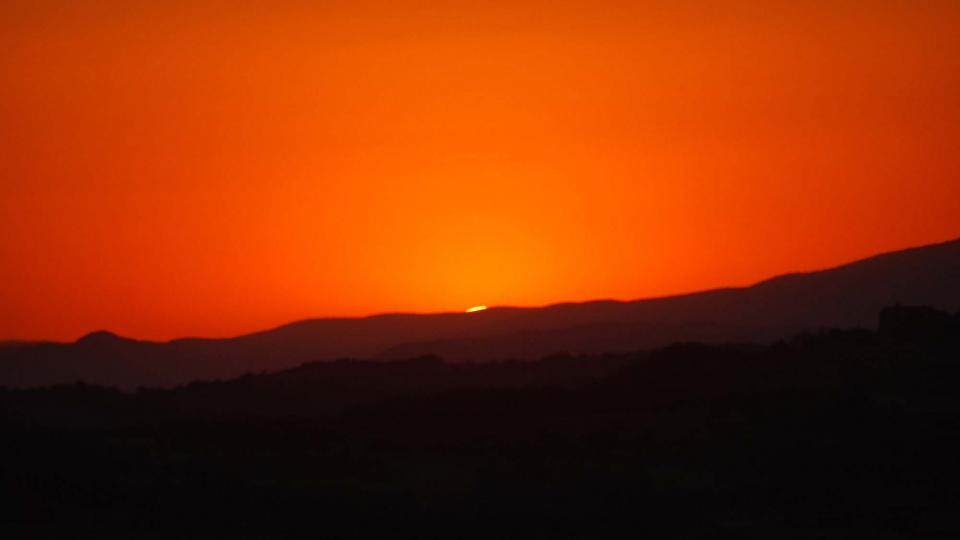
x,y
846,296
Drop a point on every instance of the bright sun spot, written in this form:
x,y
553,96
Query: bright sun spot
x,y
476,308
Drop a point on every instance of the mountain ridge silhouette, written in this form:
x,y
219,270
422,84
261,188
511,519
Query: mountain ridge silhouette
x,y
848,295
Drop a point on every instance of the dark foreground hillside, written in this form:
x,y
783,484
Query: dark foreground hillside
x,y
838,434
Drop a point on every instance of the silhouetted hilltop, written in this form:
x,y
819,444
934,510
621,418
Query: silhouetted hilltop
x,y
847,296
102,338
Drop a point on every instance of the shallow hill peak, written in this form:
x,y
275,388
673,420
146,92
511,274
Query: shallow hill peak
x,y
100,337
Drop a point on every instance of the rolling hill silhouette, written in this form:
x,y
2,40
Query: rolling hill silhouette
x,y
846,296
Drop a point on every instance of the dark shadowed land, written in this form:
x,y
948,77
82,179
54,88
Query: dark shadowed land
x,y
16,344
844,297
830,434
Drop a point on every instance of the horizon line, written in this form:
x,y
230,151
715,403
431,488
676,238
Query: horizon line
x,y
490,308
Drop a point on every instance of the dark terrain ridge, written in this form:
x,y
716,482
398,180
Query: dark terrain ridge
x,y
847,296
832,434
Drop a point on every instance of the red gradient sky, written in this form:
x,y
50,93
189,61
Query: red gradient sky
x,y
211,168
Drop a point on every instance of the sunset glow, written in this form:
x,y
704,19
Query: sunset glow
x,y
210,168
476,308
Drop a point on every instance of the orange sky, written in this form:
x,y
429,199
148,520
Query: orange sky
x,y
211,168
